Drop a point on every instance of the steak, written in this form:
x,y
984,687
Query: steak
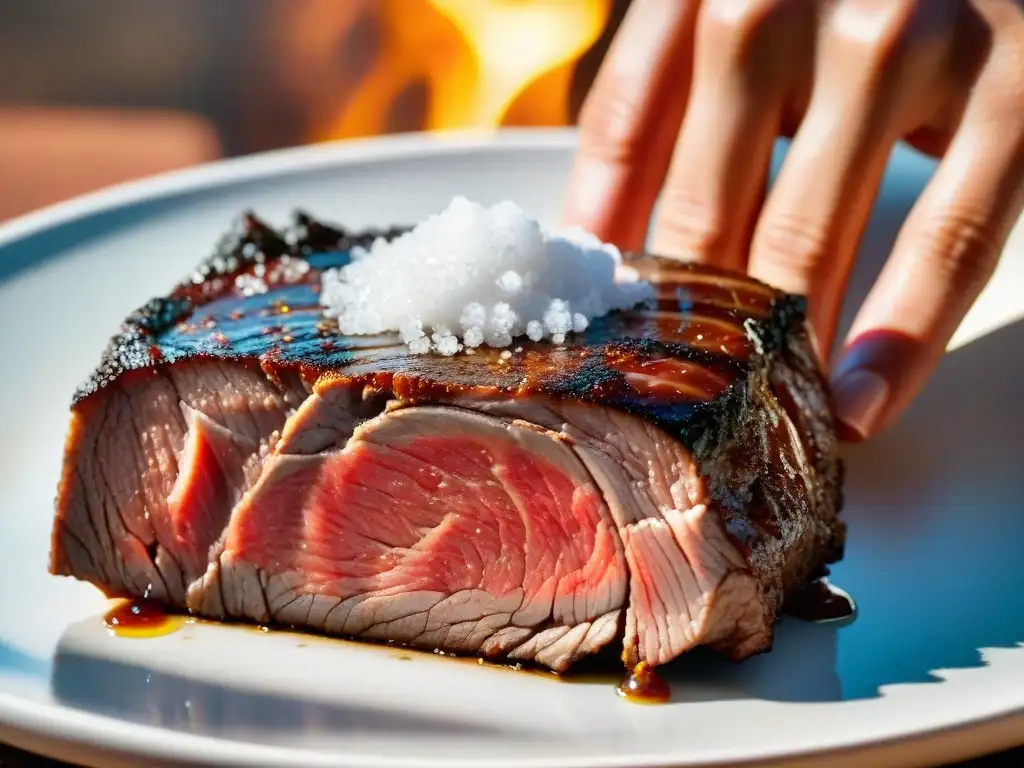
x,y
669,477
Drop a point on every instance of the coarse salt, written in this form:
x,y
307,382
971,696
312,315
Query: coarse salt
x,y
474,275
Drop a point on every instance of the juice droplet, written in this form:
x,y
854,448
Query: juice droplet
x,y
141,618
643,686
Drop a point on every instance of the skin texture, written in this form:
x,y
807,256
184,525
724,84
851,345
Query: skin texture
x,y
691,97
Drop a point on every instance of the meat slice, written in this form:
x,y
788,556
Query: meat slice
x,y
713,541
435,527
670,477
215,468
149,462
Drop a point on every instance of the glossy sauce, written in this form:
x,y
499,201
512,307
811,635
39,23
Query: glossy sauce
x,y
819,601
141,618
642,685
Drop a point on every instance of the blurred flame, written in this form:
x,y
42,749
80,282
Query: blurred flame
x,y
471,63
513,43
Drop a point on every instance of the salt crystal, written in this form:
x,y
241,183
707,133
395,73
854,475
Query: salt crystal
x,y
557,318
503,317
510,282
250,285
498,339
290,271
447,345
410,329
474,315
473,337
493,273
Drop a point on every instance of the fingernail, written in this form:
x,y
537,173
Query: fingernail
x,y
860,397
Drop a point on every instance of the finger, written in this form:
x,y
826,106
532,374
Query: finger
x,y
945,253
629,121
877,79
749,56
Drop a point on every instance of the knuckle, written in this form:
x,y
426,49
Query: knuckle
x,y
959,246
745,24
791,245
687,226
877,31
738,17
609,123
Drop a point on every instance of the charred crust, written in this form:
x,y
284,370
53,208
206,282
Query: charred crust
x,y
309,235
250,243
171,328
129,350
159,314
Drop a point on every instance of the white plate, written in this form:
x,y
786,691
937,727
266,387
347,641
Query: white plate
x,y
936,512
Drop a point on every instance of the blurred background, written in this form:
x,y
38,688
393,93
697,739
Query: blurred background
x,y
97,92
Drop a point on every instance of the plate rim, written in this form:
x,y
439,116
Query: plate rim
x,y
108,736
259,165
57,725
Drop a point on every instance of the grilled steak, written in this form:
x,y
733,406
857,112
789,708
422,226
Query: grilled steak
x,y
670,476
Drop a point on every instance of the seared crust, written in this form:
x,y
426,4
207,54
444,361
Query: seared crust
x,y
717,325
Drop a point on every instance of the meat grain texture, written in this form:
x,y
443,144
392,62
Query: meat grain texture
x,y
663,480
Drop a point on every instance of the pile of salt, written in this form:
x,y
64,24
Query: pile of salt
x,y
474,275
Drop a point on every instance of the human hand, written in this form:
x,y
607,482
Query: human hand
x,y
691,97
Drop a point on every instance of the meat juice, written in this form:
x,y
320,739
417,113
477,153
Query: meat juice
x,y
141,619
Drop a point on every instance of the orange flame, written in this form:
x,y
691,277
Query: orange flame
x,y
447,64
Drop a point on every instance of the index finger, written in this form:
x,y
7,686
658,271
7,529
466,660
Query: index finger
x,y
948,247
629,122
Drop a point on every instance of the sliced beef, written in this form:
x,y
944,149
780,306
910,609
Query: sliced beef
x,y
435,527
155,462
215,468
715,540
669,477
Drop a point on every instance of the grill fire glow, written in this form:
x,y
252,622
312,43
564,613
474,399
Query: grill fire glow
x,y
474,275
476,63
